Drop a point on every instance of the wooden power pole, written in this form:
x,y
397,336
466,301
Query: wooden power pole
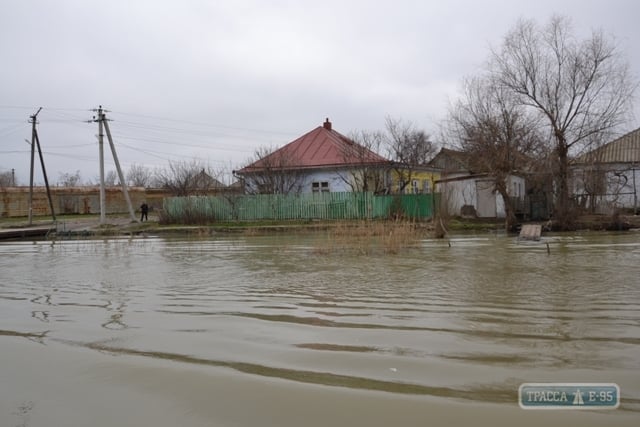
x,y
35,141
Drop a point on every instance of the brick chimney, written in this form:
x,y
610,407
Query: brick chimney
x,y
327,124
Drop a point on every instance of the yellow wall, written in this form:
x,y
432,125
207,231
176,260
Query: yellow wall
x,y
420,176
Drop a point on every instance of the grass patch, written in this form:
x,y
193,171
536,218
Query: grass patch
x,y
462,224
366,237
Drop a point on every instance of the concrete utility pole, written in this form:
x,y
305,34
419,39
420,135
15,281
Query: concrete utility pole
x,y
103,207
123,183
104,125
635,190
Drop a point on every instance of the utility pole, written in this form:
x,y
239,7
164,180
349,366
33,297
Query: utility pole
x,y
104,125
635,190
35,141
100,120
33,154
44,174
123,183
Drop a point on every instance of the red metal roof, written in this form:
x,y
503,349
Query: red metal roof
x,y
321,147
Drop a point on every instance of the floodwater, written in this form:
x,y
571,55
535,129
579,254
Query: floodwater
x,y
278,330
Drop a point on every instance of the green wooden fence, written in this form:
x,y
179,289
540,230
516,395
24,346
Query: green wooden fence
x,y
202,209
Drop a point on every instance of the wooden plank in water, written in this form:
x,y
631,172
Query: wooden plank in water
x,y
531,232
16,233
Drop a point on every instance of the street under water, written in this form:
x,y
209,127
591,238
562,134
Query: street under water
x,y
279,330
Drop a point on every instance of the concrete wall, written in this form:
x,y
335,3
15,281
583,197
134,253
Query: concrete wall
x,y
14,201
478,192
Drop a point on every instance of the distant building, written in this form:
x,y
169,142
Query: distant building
x,y
322,160
421,180
607,178
467,191
203,182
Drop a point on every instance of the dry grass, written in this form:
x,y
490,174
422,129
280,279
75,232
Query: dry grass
x,y
366,237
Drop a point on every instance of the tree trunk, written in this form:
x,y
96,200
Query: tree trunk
x,y
563,212
510,219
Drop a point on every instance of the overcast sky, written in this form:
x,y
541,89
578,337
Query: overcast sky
x,y
215,79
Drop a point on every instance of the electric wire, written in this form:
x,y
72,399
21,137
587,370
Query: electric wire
x,y
180,134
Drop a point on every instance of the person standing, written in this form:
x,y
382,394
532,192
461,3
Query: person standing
x,y
144,211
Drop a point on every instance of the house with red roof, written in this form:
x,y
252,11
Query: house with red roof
x,y
322,160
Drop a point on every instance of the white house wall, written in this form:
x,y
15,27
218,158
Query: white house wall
x,y
334,178
621,191
487,202
515,186
468,191
457,194
622,187
628,194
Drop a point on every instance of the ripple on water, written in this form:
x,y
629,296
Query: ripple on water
x,y
466,321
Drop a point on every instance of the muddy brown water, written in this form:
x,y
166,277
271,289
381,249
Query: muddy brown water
x,y
286,330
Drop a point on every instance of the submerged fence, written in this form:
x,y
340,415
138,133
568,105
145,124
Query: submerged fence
x,y
202,209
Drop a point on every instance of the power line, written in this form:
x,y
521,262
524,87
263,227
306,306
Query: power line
x,y
14,152
11,129
63,117
165,129
66,116
62,110
22,107
69,156
161,155
207,124
181,144
16,107
171,132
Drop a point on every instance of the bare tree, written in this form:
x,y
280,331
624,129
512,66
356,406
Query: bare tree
x,y
581,88
139,175
367,171
111,178
273,171
409,148
184,178
7,179
69,179
496,132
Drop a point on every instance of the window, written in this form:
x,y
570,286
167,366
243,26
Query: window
x,y
426,186
414,186
320,187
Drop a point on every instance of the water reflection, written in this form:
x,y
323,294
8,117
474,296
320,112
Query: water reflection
x,y
467,321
